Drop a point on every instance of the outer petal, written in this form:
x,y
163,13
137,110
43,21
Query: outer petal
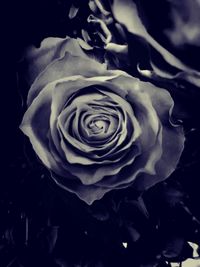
x,y
50,49
36,127
88,193
66,66
166,153
172,139
144,163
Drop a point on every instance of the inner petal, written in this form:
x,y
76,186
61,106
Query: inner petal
x,y
98,124
103,125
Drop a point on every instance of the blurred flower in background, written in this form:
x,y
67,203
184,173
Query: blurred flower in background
x,y
182,29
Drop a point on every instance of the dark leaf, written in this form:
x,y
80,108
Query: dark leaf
x,y
172,196
99,211
134,235
150,264
176,249
47,239
135,206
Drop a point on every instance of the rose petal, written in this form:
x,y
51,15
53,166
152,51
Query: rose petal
x,y
88,193
143,163
141,101
94,173
31,126
67,65
50,49
169,160
64,88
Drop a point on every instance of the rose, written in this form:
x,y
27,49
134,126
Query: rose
x,y
173,47
95,129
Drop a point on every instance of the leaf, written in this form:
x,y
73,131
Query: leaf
x,y
169,193
173,196
177,249
135,206
11,263
133,233
150,264
173,248
73,12
47,239
99,211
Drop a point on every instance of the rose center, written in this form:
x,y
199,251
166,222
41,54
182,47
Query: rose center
x,y
98,126
98,119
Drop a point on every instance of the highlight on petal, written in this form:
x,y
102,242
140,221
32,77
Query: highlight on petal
x,y
157,73
192,77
